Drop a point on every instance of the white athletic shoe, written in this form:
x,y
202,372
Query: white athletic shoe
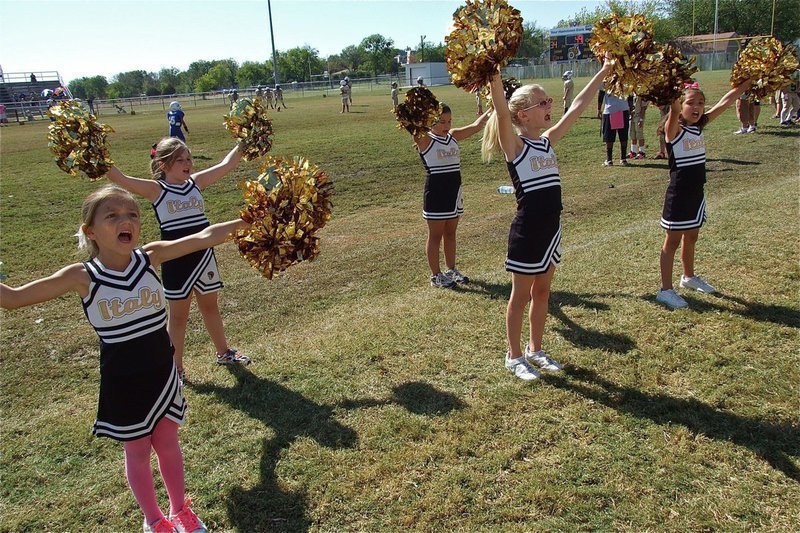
x,y
442,281
456,276
542,360
751,129
671,299
740,131
697,283
521,368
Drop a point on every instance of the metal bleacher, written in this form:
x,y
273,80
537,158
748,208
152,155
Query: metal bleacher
x,y
15,84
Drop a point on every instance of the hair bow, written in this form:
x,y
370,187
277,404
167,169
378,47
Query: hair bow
x,y
694,85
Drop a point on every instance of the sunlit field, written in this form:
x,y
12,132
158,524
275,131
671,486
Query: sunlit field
x,y
378,403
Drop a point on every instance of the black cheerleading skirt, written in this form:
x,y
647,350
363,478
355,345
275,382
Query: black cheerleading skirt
x,y
684,209
197,270
443,198
139,386
534,242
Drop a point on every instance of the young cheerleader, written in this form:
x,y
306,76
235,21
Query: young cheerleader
x,y
534,241
176,197
443,202
141,399
685,203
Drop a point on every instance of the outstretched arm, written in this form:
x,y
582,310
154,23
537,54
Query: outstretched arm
x,y
727,100
161,251
510,142
148,189
209,176
72,278
578,105
183,122
465,132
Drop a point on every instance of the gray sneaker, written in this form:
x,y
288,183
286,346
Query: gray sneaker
x,y
442,281
697,283
671,299
456,276
521,368
542,360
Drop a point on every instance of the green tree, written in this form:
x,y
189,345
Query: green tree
x,y
129,83
745,17
534,41
85,87
428,52
219,76
352,57
298,64
252,73
168,80
379,52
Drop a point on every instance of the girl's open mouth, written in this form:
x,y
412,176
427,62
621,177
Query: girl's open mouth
x,y
125,236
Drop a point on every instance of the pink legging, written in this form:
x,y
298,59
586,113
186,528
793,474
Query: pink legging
x,y
138,470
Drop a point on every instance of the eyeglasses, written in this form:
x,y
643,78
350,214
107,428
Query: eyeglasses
x,y
543,103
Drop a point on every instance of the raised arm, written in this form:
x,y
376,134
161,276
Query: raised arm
x,y
211,175
422,142
465,132
556,132
510,142
727,100
161,251
672,125
148,189
72,278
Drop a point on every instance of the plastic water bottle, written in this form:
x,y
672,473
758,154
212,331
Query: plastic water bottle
x,y
505,189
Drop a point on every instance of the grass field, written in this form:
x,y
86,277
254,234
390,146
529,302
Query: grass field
x,y
377,403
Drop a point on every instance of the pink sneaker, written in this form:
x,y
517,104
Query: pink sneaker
x,y
641,156
186,521
162,526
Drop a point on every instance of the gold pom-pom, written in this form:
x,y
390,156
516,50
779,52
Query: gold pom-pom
x,y
509,86
670,71
486,34
629,41
766,61
248,121
286,205
419,112
78,141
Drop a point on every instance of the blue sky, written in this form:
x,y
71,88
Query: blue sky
x,y
84,38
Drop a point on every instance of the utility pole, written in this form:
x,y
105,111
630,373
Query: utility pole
x,y
716,27
272,38
422,48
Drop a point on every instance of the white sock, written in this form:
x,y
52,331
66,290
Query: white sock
x,y
634,148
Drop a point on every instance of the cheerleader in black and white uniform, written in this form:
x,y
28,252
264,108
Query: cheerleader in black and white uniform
x,y
141,399
685,204
534,241
178,203
443,201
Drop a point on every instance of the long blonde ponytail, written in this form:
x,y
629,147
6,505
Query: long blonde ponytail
x,y
491,132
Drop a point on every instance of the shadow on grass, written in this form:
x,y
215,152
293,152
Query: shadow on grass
x,y
783,132
581,336
493,291
776,314
569,329
267,506
415,396
776,443
733,161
